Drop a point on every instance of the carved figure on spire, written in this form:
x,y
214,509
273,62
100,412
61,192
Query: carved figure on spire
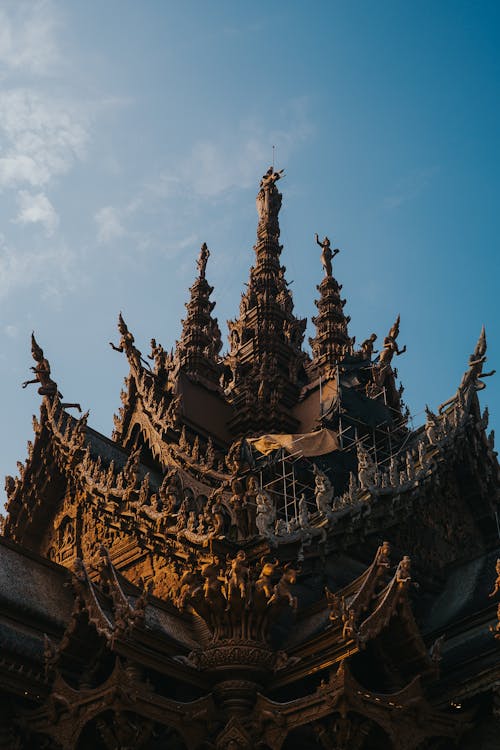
x,y
127,345
202,260
390,345
270,178
327,254
367,347
48,387
472,377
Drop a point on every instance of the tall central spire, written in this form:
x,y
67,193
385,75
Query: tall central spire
x,y
265,355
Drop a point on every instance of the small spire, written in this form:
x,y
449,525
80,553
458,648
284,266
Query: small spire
x,y
198,349
332,341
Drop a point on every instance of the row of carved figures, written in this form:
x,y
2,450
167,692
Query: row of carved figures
x,y
235,596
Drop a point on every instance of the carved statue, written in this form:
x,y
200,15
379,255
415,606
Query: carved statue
x,y
366,468
496,628
127,345
42,371
403,572
264,581
48,387
390,345
270,178
303,512
266,514
367,349
382,557
327,254
335,605
202,260
431,426
238,505
349,620
496,587
238,577
323,491
251,505
159,357
282,590
471,379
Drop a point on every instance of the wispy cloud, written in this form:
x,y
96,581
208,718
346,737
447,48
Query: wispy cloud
x,y
42,138
109,225
217,165
50,268
37,209
410,187
28,36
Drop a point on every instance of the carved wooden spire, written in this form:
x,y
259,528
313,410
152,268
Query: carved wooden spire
x,y
200,343
332,342
265,341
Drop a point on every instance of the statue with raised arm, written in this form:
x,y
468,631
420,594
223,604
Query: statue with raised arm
x,y
327,254
270,178
202,260
48,387
127,344
472,377
390,345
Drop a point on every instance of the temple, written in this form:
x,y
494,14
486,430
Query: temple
x,y
265,554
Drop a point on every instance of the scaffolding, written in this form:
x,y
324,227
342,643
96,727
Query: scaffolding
x,y
288,477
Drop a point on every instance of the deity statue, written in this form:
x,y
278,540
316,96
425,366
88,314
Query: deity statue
x,y
270,178
303,512
42,372
202,260
323,490
390,345
48,387
127,344
327,254
472,377
266,514
366,468
367,349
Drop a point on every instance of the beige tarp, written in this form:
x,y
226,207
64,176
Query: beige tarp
x,y
306,444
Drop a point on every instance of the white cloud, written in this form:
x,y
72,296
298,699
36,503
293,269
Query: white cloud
x,y
51,268
109,225
43,137
215,166
36,208
28,36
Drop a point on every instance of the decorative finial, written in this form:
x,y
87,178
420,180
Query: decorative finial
x,y
202,260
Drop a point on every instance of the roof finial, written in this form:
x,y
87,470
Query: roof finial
x,y
202,260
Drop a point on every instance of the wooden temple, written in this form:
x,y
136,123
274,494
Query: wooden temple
x,y
265,555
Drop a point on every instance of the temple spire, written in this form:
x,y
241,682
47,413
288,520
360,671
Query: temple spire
x,y
332,341
265,357
198,349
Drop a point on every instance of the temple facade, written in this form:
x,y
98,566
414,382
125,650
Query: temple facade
x,y
265,554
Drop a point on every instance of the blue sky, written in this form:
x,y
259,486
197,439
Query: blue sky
x,y
132,132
